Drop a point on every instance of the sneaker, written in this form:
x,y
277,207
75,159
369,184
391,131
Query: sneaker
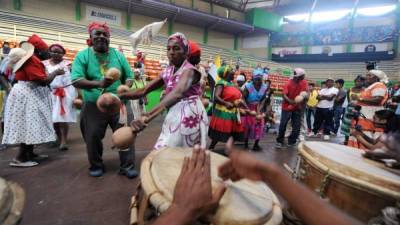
x,y
301,137
312,134
326,137
129,173
279,145
17,163
96,172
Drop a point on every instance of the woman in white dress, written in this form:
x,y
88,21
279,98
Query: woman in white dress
x,y
63,94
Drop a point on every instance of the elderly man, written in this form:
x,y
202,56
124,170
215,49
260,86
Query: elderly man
x,y
290,109
88,72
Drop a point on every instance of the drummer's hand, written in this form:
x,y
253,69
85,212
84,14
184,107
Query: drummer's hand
x,y
193,194
241,165
139,124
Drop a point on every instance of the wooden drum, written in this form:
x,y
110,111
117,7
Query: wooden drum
x,y
12,199
244,202
357,185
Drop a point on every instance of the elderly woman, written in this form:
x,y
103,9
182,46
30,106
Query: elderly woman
x,y
28,110
371,100
63,94
254,94
225,125
186,122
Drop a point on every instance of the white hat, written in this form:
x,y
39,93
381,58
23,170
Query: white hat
x,y
28,48
240,78
299,72
15,55
380,74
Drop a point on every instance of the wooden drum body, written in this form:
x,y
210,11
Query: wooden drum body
x,y
357,185
12,200
244,202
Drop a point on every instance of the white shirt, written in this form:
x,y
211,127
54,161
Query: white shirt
x,y
325,104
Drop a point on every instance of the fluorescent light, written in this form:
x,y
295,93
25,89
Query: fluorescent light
x,y
376,11
298,17
326,16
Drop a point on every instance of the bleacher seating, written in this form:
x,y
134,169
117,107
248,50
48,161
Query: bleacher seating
x,y
347,70
73,37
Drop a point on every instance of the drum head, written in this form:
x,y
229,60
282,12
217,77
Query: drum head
x,y
349,162
244,202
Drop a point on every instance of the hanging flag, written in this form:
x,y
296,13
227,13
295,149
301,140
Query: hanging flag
x,y
217,61
145,34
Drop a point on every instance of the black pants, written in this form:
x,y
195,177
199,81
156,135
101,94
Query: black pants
x,y
325,117
93,127
295,117
309,112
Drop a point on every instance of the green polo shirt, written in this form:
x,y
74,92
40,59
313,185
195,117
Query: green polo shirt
x,y
86,66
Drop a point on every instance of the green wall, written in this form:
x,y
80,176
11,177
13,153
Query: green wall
x,y
265,20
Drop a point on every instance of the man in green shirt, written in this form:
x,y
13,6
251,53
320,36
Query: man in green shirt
x,y
88,71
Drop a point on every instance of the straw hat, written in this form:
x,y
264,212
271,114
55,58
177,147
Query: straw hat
x,y
28,48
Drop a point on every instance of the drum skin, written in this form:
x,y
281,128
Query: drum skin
x,y
358,186
244,202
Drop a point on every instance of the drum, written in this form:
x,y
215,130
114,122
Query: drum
x,y
357,185
12,199
244,202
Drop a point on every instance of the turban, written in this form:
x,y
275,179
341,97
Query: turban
x,y
96,25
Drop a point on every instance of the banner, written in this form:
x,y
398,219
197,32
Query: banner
x,y
94,13
145,34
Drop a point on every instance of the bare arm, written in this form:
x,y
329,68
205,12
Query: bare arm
x,y
50,77
286,98
372,101
303,201
87,84
193,195
140,93
326,97
218,97
184,83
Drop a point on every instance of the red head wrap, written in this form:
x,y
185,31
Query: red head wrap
x,y
37,42
194,49
96,25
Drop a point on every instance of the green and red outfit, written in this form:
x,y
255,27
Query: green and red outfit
x,y
225,123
